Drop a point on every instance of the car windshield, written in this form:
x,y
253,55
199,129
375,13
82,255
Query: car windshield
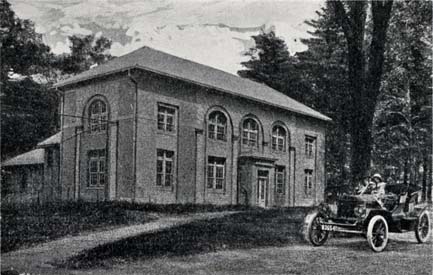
x,y
364,187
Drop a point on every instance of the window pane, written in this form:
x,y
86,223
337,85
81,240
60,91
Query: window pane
x,y
221,132
168,166
159,179
170,123
169,154
102,165
93,179
101,179
219,184
244,137
211,131
159,166
103,107
93,166
168,180
280,178
219,172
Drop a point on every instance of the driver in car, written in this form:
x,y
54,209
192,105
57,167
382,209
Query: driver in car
x,y
378,188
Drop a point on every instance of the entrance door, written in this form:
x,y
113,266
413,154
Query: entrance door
x,y
262,187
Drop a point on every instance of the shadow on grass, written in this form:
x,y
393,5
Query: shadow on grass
x,y
244,230
24,225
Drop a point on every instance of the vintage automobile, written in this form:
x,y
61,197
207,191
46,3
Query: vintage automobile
x,y
372,216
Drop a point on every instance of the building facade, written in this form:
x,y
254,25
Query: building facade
x,y
153,128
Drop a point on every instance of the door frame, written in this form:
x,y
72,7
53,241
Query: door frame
x,y
262,203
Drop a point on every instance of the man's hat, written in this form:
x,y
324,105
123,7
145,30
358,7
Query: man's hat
x,y
377,175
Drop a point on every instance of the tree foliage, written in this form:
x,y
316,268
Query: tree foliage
x,y
323,65
29,107
403,120
271,63
28,114
85,52
22,50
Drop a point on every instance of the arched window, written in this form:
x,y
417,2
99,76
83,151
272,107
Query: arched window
x,y
98,116
217,126
250,130
278,138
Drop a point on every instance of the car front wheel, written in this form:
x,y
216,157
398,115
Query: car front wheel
x,y
313,231
422,229
377,233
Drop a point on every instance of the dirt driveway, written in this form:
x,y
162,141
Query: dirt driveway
x,y
257,242
338,256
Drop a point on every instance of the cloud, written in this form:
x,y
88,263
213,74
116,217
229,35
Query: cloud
x,y
61,47
215,33
75,29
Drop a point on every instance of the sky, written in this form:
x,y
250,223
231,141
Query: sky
x,y
212,32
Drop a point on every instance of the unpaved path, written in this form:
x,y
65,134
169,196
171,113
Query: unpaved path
x,y
35,260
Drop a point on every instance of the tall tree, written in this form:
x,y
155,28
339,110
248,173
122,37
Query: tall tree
x,y
22,50
27,107
271,63
322,65
85,52
403,122
365,67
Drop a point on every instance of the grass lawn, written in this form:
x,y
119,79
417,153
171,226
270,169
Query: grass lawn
x,y
26,225
243,230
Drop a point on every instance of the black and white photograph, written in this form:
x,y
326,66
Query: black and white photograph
x,y
216,137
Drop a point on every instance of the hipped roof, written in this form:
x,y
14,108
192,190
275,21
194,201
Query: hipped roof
x,y
152,60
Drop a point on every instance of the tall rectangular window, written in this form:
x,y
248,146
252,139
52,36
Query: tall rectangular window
x,y
216,173
164,167
308,182
166,118
280,176
309,146
97,168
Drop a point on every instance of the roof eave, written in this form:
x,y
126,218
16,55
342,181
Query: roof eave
x,y
66,83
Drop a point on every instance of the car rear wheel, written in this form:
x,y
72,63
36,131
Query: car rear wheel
x,y
422,229
377,233
313,231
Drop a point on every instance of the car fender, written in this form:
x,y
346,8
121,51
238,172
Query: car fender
x,y
419,208
374,212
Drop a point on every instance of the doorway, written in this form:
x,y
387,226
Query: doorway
x,y
262,187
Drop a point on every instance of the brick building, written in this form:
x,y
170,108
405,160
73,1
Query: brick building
x,y
152,127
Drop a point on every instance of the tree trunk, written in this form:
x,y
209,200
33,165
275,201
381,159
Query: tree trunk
x,y
364,78
424,179
405,172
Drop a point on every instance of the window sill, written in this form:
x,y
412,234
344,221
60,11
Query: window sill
x,y
104,132
278,152
95,187
217,141
215,191
166,133
165,188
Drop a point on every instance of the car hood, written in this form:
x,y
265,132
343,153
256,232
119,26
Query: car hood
x,y
359,198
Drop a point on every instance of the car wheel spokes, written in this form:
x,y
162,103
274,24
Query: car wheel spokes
x,y
379,234
423,226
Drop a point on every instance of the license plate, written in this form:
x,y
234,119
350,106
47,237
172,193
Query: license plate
x,y
328,227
